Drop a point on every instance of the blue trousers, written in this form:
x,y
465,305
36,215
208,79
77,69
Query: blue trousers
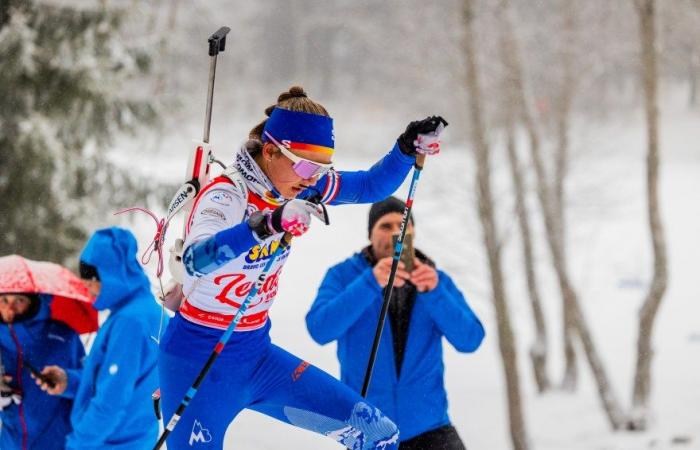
x,y
253,373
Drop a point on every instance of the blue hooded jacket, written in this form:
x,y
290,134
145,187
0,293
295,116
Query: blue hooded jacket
x,y
112,408
346,309
41,421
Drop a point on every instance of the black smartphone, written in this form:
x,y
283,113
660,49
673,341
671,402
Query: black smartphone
x,y
408,253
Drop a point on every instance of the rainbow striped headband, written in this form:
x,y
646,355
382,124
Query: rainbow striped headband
x,y
301,131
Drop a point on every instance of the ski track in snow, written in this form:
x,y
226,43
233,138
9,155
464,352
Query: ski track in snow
x,y
610,262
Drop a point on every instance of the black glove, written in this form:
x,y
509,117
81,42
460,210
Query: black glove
x,y
428,129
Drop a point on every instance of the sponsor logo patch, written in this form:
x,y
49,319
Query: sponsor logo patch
x,y
262,252
299,370
213,212
199,434
222,198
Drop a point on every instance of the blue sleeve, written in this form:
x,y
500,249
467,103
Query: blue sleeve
x,y
453,316
73,382
339,304
209,254
364,186
77,352
115,382
75,366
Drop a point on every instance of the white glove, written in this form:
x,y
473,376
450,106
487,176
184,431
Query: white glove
x,y
422,136
293,217
429,143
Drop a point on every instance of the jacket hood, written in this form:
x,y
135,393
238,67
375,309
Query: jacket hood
x,y
113,252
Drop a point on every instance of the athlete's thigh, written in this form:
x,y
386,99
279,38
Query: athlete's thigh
x,y
293,391
219,399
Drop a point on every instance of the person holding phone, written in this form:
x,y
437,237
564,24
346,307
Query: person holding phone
x,y
407,382
29,337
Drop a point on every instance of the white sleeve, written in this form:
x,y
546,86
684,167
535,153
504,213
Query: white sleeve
x,y
220,206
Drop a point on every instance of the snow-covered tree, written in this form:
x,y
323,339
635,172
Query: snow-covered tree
x,y
63,71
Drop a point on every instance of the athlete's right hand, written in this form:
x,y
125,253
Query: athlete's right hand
x,y
293,217
55,374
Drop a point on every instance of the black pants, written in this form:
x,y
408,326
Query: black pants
x,y
443,438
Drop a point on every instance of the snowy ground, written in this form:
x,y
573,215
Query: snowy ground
x,y
610,263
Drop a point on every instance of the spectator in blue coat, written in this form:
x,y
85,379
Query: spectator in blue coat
x,y
407,382
112,407
31,419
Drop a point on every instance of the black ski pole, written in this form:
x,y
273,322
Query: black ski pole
x,y
420,160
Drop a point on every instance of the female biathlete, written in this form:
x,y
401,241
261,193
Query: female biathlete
x,y
235,225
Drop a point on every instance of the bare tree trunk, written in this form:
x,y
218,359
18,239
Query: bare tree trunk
x,y
553,214
161,79
563,112
539,348
506,339
610,404
647,314
693,59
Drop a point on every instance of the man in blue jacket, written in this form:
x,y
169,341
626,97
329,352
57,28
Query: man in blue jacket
x,y
112,407
407,382
31,419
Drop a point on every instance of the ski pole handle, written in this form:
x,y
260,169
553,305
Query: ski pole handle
x,y
420,161
217,41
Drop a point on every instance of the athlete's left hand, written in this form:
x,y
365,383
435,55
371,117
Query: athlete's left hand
x,y
424,276
422,136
